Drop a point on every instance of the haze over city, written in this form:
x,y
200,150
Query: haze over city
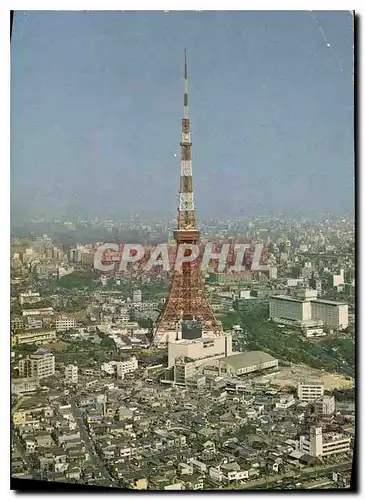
x,y
97,96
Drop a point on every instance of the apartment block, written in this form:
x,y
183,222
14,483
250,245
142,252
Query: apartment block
x,y
37,366
129,366
71,374
305,306
326,405
29,298
289,308
333,314
64,323
310,391
34,337
16,323
199,349
44,311
323,445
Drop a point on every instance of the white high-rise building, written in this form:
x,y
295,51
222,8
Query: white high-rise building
x,y
333,314
71,374
128,366
326,405
310,391
37,366
64,323
289,308
273,273
306,306
315,441
109,367
199,349
338,279
323,445
75,255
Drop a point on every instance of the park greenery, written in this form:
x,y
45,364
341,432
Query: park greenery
x,y
154,289
81,279
287,344
25,349
345,394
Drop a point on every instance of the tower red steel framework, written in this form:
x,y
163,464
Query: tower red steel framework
x,y
186,297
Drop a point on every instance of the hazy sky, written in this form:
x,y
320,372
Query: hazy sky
x,y
97,102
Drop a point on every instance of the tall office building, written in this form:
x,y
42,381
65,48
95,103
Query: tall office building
x,y
310,391
318,444
333,314
39,366
71,374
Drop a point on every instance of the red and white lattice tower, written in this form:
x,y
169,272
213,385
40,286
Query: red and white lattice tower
x,y
186,297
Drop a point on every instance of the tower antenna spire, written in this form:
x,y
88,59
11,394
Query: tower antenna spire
x,y
186,209
186,112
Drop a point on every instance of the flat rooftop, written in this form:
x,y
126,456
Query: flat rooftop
x,y
333,436
196,341
248,358
330,302
286,297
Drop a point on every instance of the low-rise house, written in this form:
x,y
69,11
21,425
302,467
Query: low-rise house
x,y
30,444
232,472
88,473
74,473
216,474
185,469
65,410
125,414
125,451
109,452
86,400
175,486
94,416
31,423
44,439
209,450
121,428
274,461
193,482
72,443
46,461
58,477
285,402
139,483
67,437
78,454
198,465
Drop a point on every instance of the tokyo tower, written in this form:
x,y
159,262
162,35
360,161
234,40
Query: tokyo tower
x,y
186,298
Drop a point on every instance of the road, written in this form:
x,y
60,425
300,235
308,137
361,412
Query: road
x,y
304,472
94,457
20,448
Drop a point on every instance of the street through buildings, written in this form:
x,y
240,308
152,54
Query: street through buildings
x,y
97,461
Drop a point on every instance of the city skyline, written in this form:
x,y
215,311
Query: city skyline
x,y
88,140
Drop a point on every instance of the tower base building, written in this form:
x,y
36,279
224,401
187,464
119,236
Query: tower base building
x,y
198,350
